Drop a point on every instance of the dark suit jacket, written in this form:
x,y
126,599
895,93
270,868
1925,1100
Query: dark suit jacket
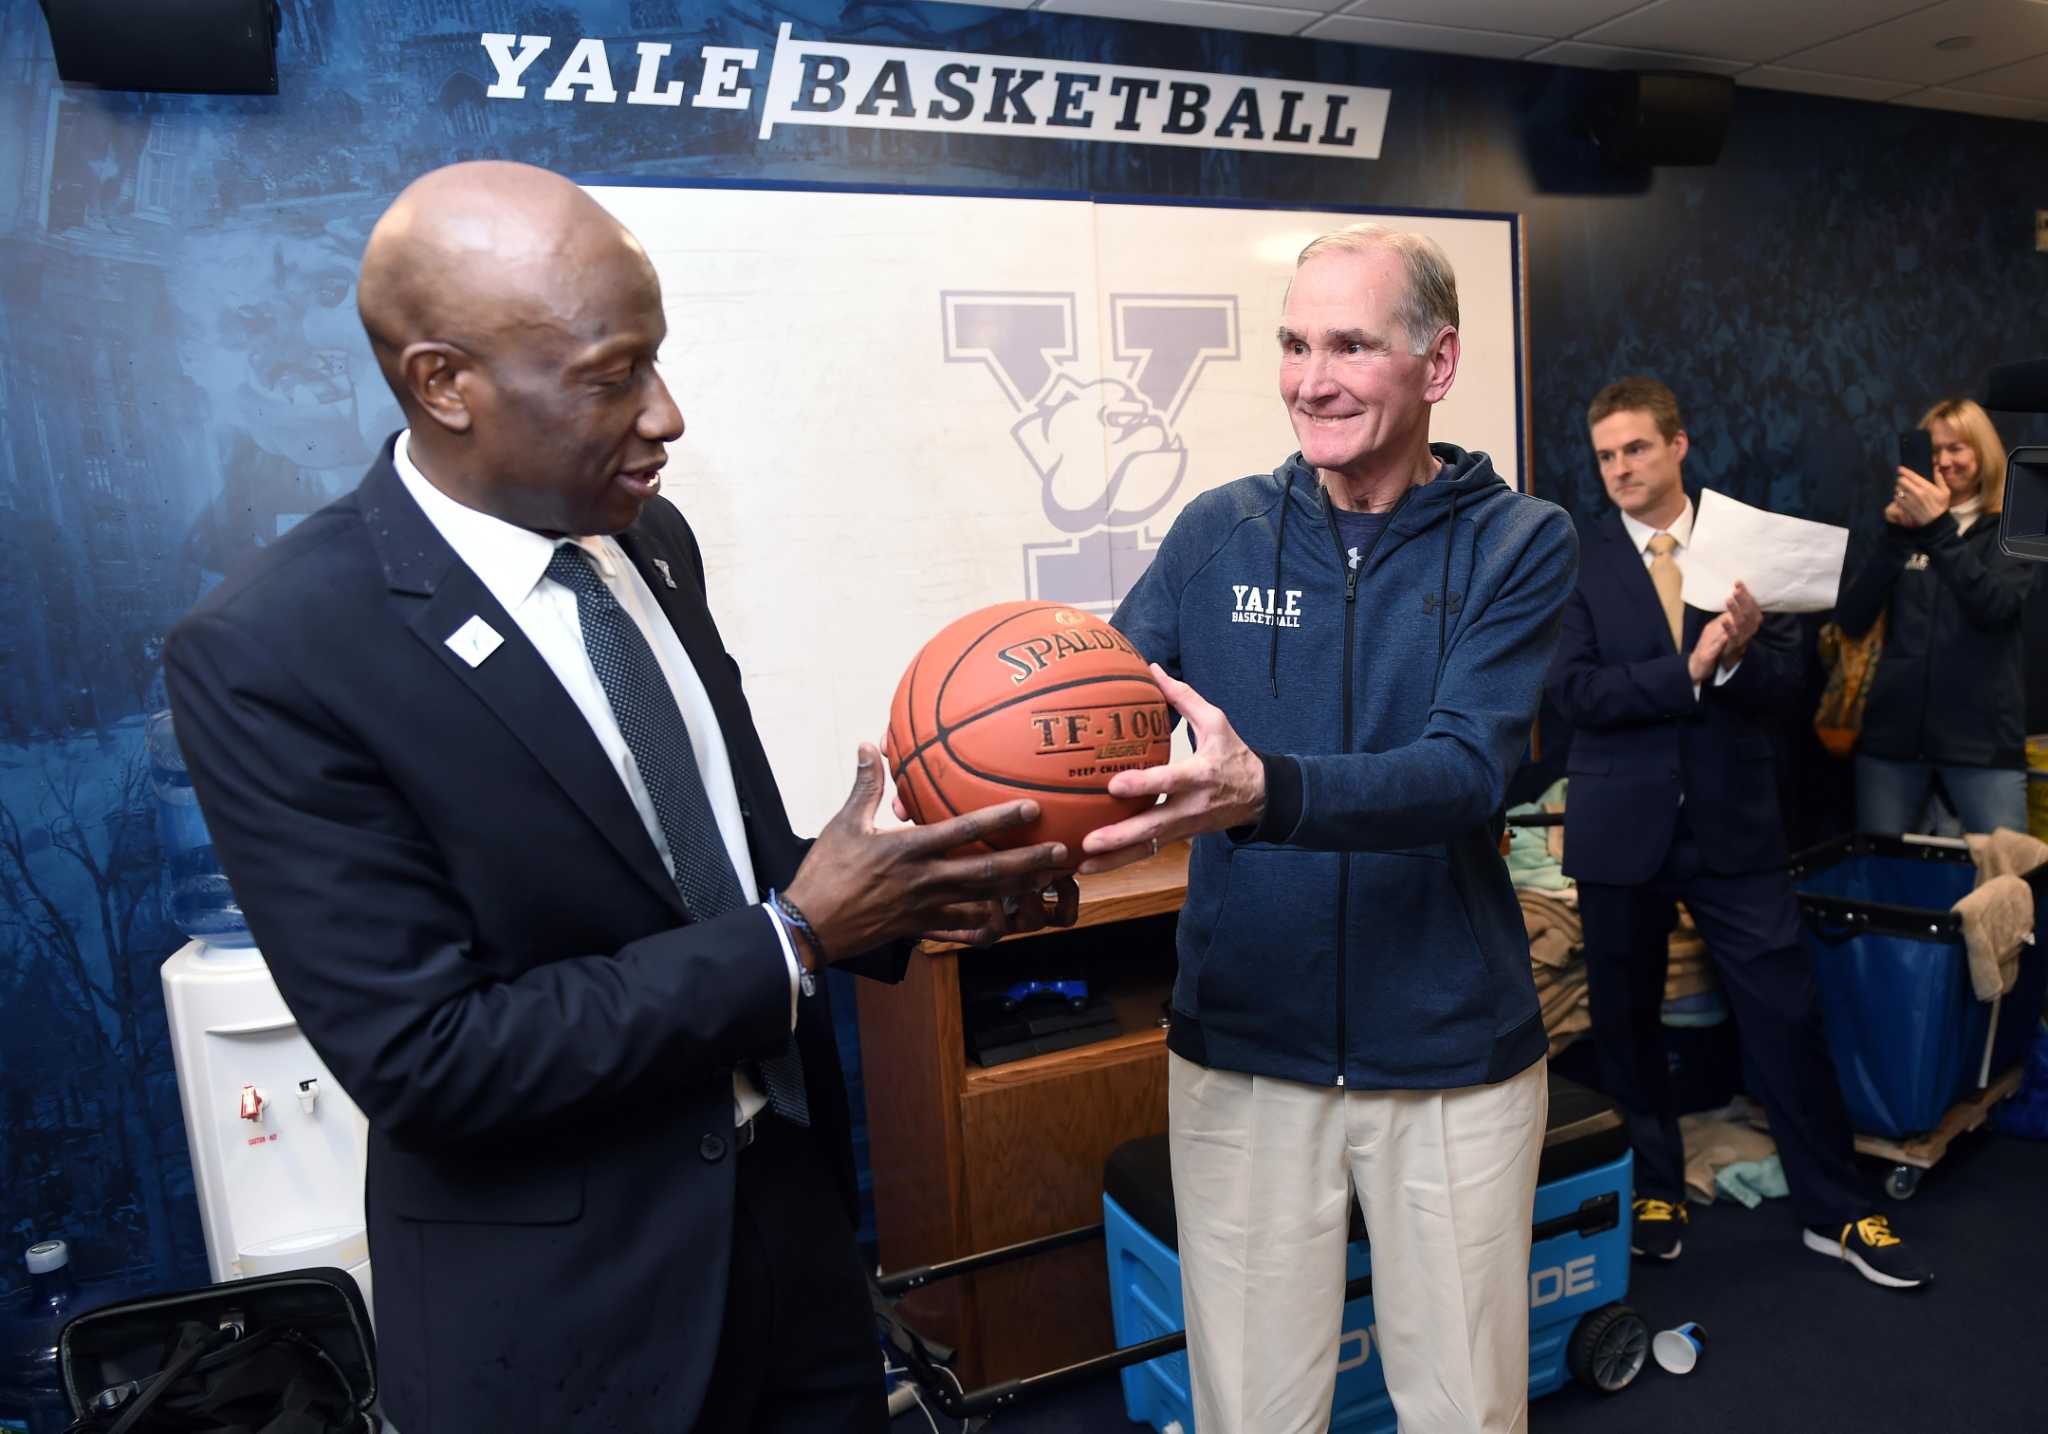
x,y
467,917
1641,739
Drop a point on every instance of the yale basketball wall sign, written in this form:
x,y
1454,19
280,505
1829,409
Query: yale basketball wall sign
x,y
815,82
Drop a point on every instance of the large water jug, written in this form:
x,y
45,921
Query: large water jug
x,y
197,899
31,1391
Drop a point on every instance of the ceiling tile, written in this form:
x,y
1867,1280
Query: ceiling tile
x,y
1753,30
2028,80
1997,106
1808,82
1608,57
2003,32
1552,19
1360,30
1214,14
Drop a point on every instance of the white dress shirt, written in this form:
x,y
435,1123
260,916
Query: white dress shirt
x,y
1640,534
512,563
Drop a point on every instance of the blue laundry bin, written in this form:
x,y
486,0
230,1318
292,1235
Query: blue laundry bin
x,y
1907,1033
1578,1274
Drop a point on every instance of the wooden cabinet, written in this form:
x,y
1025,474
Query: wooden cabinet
x,y
968,1158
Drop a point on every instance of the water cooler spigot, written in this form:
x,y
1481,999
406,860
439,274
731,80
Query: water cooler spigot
x,y
252,1104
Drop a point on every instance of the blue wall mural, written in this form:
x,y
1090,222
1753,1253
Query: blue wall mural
x,y
182,377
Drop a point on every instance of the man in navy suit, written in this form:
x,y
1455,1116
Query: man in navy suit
x,y
1674,797
481,773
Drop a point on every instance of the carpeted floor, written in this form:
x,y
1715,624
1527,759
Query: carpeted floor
x,y
1800,1345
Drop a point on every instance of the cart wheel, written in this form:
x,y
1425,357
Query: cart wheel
x,y
1608,1348
1903,1182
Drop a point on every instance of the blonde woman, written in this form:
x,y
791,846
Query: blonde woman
x,y
1948,702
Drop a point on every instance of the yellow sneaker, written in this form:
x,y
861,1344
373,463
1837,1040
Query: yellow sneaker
x,y
1653,1231
1873,1250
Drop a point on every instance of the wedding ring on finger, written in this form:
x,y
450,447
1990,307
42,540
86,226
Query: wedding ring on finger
x,y
1155,846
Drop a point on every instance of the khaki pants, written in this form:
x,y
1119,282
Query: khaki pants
x,y
1263,1173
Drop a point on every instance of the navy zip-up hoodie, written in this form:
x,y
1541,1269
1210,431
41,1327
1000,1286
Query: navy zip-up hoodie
x,y
1364,933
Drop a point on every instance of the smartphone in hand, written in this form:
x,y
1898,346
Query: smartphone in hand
x,y
1916,452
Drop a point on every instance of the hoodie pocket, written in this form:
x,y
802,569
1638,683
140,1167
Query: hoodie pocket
x,y
1268,960
1423,996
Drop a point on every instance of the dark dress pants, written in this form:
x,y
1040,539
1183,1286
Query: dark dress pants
x,y
798,1351
1751,926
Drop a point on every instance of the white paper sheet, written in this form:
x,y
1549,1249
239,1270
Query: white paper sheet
x,y
1788,564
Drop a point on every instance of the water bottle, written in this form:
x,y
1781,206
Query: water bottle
x,y
31,1393
197,899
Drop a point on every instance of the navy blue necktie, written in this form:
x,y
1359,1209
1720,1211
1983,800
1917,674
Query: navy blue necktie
x,y
645,708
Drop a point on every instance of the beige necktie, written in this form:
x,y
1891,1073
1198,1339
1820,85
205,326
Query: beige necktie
x,y
1665,577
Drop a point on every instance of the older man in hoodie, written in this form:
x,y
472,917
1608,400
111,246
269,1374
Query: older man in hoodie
x,y
1358,642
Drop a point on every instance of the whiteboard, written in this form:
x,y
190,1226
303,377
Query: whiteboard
x,y
900,407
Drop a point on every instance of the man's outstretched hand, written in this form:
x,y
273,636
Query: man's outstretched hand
x,y
1222,785
860,886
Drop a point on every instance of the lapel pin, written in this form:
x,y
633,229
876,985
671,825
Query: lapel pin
x,y
474,641
662,568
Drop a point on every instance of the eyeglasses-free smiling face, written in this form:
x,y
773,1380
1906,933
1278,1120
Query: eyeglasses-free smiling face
x,y
1955,462
1353,391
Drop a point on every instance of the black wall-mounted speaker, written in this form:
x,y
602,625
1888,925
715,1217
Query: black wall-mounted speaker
x,y
208,47
1652,117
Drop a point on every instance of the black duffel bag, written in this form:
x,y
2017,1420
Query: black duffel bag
x,y
277,1354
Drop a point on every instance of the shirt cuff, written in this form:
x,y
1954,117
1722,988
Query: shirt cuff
x,y
789,957
1721,675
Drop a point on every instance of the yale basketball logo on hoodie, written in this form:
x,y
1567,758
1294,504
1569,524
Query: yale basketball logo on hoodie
x,y
1265,606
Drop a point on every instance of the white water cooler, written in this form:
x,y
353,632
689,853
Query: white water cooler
x,y
277,1145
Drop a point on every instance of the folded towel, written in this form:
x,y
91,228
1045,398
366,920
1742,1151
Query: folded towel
x,y
1551,947
1542,912
1560,1001
1998,918
1689,980
1530,862
1753,1181
1712,1144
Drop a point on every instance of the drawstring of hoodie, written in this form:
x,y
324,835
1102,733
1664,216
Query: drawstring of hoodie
x,y
1273,644
1443,599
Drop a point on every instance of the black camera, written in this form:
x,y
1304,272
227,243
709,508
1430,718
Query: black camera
x,y
2023,526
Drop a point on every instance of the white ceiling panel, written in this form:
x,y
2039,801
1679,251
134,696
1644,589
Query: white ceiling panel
x,y
1997,106
2028,80
1397,35
1216,14
1552,19
2001,32
1841,87
1754,30
1885,51
1611,57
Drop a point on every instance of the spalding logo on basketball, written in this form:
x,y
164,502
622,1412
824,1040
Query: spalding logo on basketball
x,y
1026,699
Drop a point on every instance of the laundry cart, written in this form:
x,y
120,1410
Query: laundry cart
x,y
1921,1059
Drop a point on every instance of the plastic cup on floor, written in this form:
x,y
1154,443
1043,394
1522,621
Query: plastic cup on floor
x,y
1678,1350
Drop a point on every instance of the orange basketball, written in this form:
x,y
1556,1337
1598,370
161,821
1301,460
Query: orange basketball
x,y
1026,699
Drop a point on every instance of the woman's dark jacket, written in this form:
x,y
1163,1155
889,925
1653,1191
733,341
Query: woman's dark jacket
x,y
1949,688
